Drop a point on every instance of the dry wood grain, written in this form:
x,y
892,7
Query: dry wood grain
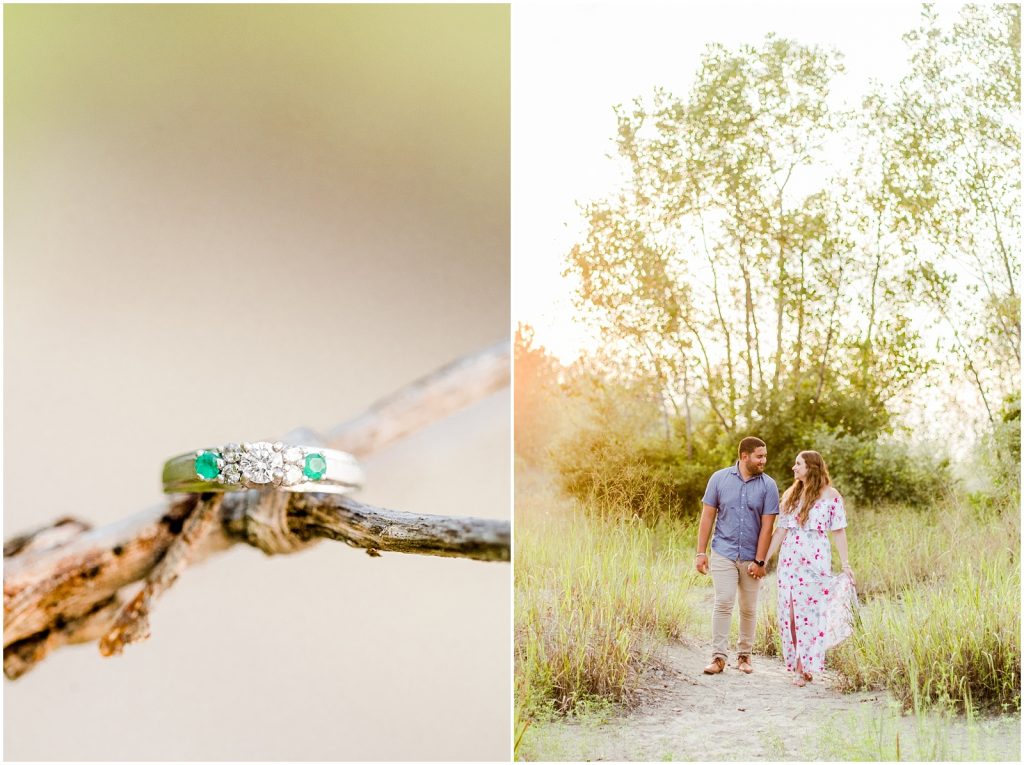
x,y
66,583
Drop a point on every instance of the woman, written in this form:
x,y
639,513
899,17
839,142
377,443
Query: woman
x,y
808,510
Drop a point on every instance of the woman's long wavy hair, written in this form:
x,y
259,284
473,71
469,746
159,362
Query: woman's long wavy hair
x,y
802,495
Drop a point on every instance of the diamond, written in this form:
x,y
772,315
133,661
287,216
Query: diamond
x,y
232,453
292,475
293,454
231,474
316,466
206,465
258,462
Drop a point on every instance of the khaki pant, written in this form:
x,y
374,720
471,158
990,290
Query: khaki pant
x,y
728,576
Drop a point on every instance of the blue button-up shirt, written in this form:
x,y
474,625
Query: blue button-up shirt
x,y
740,506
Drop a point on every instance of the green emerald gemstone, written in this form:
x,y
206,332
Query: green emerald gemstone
x,y
206,465
315,467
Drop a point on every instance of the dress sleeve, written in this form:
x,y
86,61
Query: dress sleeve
x,y
785,521
836,514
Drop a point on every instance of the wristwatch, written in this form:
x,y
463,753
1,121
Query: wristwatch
x,y
759,563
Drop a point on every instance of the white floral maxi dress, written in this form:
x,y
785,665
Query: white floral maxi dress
x,y
805,579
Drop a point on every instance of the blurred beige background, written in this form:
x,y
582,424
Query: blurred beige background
x,y
223,222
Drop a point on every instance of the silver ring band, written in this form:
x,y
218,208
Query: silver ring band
x,y
263,465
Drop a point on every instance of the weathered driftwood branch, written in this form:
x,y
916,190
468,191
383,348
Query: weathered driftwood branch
x,y
63,582
447,390
132,622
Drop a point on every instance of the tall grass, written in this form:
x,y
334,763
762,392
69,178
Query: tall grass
x,y
955,643
597,593
893,548
595,597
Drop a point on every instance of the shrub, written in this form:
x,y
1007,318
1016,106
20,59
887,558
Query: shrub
x,y
870,471
998,455
628,478
649,478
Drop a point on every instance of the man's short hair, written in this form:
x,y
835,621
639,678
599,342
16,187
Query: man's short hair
x,y
748,444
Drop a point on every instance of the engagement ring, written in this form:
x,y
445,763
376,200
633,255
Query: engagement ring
x,y
263,465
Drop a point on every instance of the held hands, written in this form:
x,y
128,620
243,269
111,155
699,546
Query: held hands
x,y
758,572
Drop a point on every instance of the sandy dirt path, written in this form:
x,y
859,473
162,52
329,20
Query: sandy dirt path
x,y
687,715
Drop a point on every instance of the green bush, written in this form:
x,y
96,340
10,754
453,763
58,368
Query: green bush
x,y
998,455
632,479
652,478
871,471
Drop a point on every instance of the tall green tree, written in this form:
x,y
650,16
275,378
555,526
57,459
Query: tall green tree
x,y
950,166
728,264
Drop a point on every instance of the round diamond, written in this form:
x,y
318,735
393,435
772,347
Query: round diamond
x,y
316,466
259,461
231,474
206,465
293,454
232,453
292,475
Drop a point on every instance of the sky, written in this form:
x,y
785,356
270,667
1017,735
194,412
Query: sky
x,y
572,63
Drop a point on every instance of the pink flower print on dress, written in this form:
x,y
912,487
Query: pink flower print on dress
x,y
803,577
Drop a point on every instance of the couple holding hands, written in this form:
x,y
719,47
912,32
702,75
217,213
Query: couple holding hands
x,y
742,504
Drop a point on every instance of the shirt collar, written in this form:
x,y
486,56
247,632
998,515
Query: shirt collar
x,y
735,470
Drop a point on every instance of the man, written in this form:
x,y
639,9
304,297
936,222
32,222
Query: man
x,y
741,502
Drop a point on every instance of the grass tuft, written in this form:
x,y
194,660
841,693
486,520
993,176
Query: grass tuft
x,y
595,598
